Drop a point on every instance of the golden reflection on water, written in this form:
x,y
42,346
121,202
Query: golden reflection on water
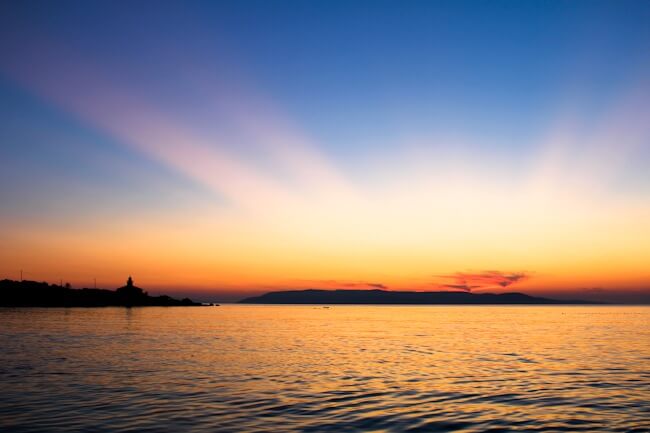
x,y
310,368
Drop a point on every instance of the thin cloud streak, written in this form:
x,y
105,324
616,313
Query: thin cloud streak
x,y
340,284
468,281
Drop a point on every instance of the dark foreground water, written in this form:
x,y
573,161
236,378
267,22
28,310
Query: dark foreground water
x,y
244,368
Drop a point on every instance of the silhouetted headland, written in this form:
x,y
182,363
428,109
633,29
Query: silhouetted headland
x,y
313,296
37,294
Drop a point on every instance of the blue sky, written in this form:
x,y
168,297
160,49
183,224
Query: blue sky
x,y
110,109
359,74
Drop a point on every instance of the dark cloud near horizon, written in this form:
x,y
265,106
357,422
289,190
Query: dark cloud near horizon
x,y
465,287
467,281
353,284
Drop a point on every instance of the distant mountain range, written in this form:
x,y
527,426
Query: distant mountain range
x,y
37,294
313,296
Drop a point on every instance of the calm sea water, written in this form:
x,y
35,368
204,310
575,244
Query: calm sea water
x,y
245,368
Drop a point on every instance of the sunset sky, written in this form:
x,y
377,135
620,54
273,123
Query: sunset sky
x,y
222,149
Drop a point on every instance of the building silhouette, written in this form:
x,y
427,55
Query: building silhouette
x,y
130,293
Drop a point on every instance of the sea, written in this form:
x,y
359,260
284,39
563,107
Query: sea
x,y
315,368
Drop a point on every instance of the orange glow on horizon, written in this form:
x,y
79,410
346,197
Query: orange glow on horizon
x,y
291,217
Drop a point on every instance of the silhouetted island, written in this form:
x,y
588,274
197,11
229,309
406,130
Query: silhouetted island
x,y
36,294
377,296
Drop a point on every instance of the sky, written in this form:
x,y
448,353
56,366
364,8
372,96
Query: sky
x,y
224,149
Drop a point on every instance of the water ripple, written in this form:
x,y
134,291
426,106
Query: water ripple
x,y
345,369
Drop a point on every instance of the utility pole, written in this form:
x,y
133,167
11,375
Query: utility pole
x,y
21,275
95,283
